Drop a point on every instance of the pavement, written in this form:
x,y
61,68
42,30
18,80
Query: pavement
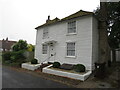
x,y
17,79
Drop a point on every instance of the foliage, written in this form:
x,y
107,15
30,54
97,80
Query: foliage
x,y
20,45
56,64
79,68
15,56
113,23
30,47
6,55
34,61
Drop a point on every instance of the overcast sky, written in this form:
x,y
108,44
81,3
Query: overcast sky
x,y
18,18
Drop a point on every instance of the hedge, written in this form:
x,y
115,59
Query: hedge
x,y
79,68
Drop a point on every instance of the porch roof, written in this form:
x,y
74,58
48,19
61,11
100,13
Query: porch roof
x,y
50,41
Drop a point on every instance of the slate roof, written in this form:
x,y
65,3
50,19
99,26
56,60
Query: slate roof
x,y
75,15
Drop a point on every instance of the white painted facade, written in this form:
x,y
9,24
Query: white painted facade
x,y
86,42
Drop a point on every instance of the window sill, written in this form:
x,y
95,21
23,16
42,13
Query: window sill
x,y
44,54
68,34
45,37
71,57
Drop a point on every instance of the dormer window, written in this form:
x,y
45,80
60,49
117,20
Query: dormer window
x,y
71,27
45,32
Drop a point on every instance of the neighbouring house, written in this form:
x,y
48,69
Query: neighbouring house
x,y
0,45
72,40
6,45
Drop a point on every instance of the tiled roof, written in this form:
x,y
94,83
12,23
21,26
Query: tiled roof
x,y
6,44
75,15
49,22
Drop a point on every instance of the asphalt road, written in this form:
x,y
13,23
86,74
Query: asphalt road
x,y
15,79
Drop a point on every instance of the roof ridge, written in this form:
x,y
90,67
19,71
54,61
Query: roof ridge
x,y
74,15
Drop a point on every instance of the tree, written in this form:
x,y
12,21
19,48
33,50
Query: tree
x,y
20,45
104,50
31,47
113,23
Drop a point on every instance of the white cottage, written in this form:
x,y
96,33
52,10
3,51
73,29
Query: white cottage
x,y
72,40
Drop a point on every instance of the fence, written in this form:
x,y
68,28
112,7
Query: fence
x,y
115,55
29,55
118,55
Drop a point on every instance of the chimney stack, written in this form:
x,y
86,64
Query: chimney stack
x,y
7,39
48,19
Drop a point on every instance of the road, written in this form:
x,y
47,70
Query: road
x,y
15,79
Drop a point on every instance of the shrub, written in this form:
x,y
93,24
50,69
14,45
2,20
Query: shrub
x,y
20,45
15,56
34,61
6,56
56,64
79,68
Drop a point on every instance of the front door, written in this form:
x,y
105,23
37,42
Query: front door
x,y
52,53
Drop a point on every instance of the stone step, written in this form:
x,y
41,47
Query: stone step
x,y
42,66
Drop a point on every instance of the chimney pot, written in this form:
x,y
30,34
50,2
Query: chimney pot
x,y
7,39
49,17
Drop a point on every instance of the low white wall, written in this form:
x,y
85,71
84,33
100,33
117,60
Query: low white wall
x,y
30,66
67,74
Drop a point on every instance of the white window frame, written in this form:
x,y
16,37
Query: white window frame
x,y
70,56
71,26
45,32
44,48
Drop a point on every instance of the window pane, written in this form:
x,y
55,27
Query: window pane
x,y
70,49
44,49
72,27
45,32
